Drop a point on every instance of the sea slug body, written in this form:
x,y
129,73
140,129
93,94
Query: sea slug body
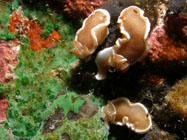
x,y
92,33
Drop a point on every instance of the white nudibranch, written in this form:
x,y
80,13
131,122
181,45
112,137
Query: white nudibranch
x,y
92,33
133,115
128,49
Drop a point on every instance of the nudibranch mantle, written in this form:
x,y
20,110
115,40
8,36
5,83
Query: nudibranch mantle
x,y
129,49
134,115
92,33
134,28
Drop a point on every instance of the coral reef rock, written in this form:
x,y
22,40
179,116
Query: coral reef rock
x,y
8,61
177,98
77,8
3,108
168,42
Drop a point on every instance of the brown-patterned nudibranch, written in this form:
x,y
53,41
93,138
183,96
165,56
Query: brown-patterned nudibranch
x,y
92,33
132,47
134,115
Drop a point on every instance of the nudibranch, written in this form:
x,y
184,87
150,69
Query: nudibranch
x,y
92,33
134,115
132,47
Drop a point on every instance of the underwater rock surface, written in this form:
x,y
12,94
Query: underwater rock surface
x,y
177,97
8,61
55,95
164,49
177,6
150,80
76,8
3,108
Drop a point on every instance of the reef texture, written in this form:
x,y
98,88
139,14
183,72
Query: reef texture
x,y
177,6
3,108
41,87
20,24
8,61
177,98
168,43
146,81
77,8
152,79
176,27
49,101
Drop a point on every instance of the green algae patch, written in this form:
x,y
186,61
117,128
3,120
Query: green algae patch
x,y
3,135
36,92
84,129
69,102
35,88
1,88
92,128
5,11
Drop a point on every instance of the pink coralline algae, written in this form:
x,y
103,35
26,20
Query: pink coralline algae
x,y
168,41
81,7
8,61
3,108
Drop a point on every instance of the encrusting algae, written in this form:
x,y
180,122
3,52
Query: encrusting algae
x,y
177,98
20,24
45,100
